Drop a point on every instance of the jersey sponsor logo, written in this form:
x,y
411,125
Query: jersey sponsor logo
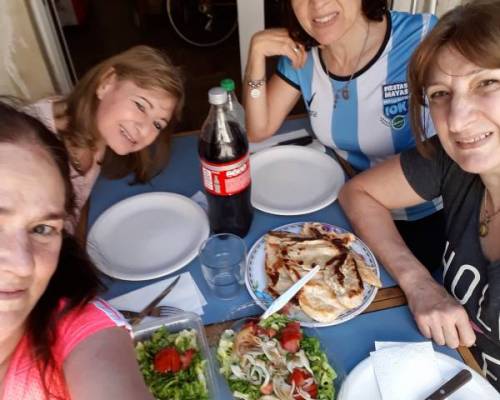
x,y
395,103
309,102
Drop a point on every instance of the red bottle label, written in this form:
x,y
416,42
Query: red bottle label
x,y
228,178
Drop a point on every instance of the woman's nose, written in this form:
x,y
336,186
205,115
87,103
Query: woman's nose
x,y
461,113
16,254
318,3
145,128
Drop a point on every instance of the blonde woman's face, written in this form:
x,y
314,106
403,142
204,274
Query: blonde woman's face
x,y
130,118
464,101
31,221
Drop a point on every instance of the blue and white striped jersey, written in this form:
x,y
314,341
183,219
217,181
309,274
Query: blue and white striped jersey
x,y
373,122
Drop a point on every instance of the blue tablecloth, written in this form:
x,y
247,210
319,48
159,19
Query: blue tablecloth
x,y
347,344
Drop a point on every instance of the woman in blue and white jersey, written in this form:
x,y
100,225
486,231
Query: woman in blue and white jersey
x,y
348,60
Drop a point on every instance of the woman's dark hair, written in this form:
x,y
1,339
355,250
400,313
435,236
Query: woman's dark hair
x,y
374,10
473,30
75,278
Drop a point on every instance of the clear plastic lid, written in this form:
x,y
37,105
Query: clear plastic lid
x,y
217,96
177,323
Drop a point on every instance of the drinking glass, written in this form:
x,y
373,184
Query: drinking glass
x,y
223,259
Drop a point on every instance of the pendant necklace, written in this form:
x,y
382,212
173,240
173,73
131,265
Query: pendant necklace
x,y
485,217
345,89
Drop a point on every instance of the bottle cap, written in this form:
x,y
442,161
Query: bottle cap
x,y
217,96
227,84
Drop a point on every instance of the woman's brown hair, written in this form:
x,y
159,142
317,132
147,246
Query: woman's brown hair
x,y
473,30
75,279
374,10
146,67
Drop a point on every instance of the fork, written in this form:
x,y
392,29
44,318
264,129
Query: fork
x,y
160,311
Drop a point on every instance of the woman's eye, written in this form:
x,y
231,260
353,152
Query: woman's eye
x,y
44,230
140,107
437,95
487,82
158,126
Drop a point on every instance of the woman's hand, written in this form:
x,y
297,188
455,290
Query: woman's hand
x,y
267,107
438,315
276,42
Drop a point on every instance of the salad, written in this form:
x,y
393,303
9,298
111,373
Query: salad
x,y
273,360
172,365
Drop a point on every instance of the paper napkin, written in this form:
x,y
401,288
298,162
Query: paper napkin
x,y
201,199
186,295
405,370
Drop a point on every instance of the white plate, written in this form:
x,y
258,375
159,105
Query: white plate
x,y
256,280
293,180
361,383
147,236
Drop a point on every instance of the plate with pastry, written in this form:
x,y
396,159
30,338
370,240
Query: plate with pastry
x,y
345,285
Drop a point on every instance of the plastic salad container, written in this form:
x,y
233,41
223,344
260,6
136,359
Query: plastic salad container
x,y
339,373
175,324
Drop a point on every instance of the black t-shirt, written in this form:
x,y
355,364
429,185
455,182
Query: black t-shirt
x,y
468,275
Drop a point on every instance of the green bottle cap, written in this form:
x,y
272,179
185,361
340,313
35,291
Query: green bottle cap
x,y
227,84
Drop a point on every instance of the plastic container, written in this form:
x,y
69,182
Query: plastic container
x,y
176,323
312,332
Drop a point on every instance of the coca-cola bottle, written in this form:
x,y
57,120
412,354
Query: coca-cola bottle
x,y
223,150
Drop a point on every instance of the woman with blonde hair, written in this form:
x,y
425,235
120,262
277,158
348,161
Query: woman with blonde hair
x,y
456,71
115,112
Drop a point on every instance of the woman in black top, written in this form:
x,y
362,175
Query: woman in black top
x,y
456,71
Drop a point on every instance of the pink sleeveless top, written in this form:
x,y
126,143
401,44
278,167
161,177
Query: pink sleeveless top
x,y
23,380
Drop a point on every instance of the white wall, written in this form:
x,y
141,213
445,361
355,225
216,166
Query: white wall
x,y
250,20
23,71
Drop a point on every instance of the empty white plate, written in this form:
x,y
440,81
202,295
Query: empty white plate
x,y
293,180
147,236
361,383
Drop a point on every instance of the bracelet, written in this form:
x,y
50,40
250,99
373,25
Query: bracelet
x,y
255,85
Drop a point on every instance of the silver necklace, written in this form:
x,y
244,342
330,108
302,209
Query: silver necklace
x,y
344,92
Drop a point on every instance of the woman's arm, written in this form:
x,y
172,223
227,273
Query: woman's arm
x,y
104,367
266,112
366,200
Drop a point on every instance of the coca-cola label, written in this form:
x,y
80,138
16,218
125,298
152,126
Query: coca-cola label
x,y
226,179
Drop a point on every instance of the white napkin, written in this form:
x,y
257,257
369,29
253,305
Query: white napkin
x,y
201,199
185,295
405,370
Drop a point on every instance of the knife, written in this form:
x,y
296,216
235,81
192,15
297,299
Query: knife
x,y
281,301
451,385
300,141
146,310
